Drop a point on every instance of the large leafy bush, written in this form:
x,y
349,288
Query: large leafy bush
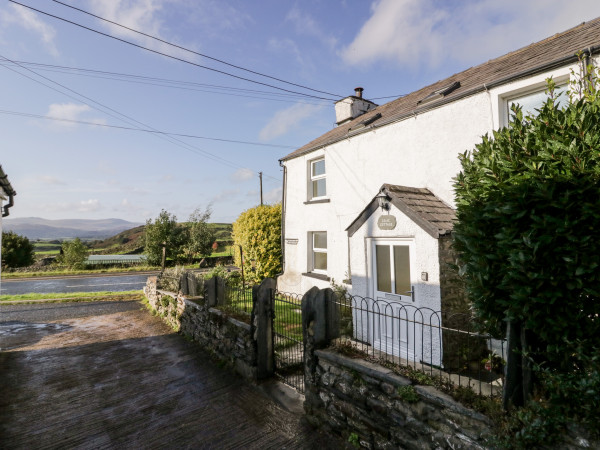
x,y
528,231
17,250
258,231
528,236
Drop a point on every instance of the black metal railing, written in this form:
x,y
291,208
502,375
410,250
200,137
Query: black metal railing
x,y
443,345
237,297
287,339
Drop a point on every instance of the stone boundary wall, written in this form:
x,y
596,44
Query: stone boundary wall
x,y
372,407
226,338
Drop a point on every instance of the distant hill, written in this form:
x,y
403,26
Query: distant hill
x,y
38,228
132,241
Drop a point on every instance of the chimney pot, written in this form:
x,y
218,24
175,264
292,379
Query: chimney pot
x,y
358,91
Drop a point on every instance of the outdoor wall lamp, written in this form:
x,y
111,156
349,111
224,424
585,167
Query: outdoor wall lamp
x,y
384,201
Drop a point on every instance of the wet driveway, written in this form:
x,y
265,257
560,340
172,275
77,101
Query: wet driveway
x,y
110,375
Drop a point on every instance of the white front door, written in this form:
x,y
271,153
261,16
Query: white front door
x,y
394,298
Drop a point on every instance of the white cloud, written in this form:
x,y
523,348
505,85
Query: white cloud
x,y
89,205
139,15
83,206
225,196
288,47
153,17
47,179
429,33
306,25
30,21
285,120
274,195
241,175
69,111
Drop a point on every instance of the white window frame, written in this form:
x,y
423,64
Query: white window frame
x,y
314,250
311,178
538,84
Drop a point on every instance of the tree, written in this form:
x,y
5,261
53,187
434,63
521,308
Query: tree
x,y
17,250
199,237
258,231
163,232
528,236
73,254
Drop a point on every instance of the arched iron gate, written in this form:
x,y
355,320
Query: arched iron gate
x,y
288,345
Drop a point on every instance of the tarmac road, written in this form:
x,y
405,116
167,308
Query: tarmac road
x,y
115,283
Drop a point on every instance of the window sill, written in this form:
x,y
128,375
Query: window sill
x,y
310,202
318,276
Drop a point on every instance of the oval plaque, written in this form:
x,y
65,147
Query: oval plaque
x,y
386,222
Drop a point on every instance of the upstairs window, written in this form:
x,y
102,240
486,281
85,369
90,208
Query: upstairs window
x,y
317,182
533,100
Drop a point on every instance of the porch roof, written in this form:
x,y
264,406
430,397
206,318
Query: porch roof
x,y
418,204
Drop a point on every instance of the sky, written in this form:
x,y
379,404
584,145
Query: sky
x,y
98,121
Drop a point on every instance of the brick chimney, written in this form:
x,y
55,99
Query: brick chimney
x,y
351,107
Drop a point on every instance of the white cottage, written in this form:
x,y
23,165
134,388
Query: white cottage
x,y
7,193
406,152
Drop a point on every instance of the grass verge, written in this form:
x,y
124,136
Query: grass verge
x,y
73,297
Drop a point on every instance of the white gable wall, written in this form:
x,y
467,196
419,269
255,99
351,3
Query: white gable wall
x,y
420,151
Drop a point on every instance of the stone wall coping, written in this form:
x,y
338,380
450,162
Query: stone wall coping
x,y
235,322
188,301
428,393
433,395
368,368
170,294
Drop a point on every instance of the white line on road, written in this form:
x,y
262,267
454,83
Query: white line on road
x,y
105,284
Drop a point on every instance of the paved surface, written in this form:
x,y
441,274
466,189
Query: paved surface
x,y
98,283
110,375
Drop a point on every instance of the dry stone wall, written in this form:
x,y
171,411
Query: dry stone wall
x,y
228,339
372,407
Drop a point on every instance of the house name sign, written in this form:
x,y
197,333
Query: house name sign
x,y
386,222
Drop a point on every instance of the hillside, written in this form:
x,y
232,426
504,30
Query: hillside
x,y
132,241
38,228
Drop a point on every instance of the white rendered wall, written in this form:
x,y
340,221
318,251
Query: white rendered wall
x,y
424,258
420,151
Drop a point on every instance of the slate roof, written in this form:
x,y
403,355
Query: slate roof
x,y
555,51
418,204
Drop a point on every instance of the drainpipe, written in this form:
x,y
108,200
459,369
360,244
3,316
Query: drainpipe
x,y
587,56
283,205
8,205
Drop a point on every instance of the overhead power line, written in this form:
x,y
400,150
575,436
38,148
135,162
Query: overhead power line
x,y
169,56
195,52
120,116
170,83
96,124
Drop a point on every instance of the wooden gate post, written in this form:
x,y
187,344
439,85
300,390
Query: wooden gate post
x,y
262,322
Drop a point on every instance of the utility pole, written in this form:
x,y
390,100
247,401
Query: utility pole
x,y
261,196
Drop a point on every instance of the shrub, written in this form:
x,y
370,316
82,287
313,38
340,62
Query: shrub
x,y
17,250
528,238
73,254
258,231
528,230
